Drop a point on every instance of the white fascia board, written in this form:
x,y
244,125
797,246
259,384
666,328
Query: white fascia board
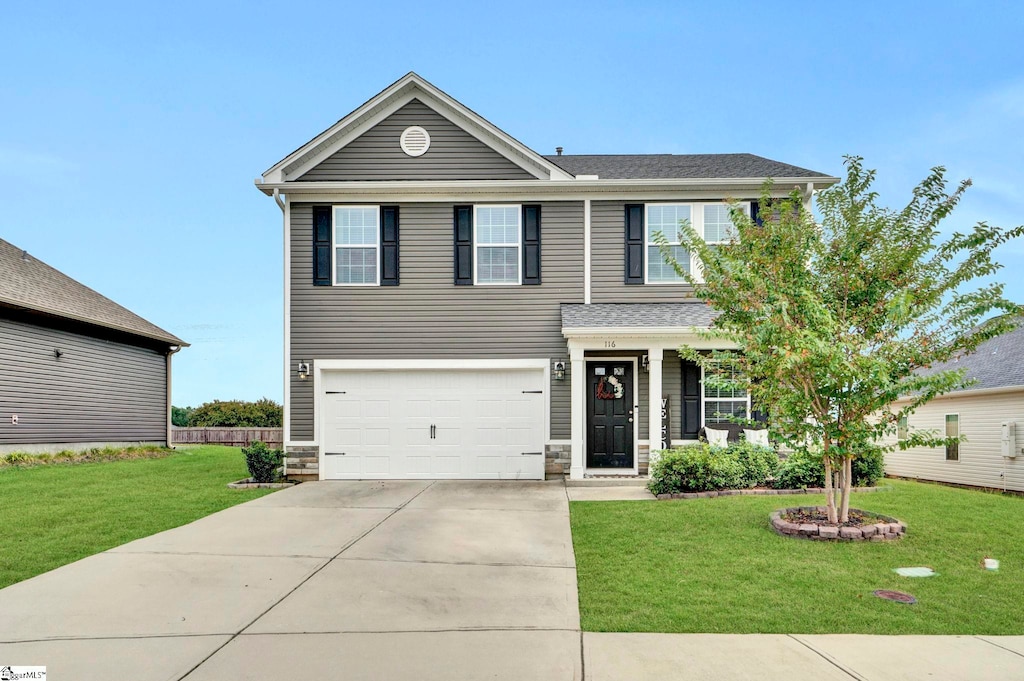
x,y
980,392
448,190
392,98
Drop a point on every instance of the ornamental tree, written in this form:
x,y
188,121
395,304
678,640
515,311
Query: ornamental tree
x,y
834,322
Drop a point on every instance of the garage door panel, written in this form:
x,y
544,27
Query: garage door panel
x,y
483,423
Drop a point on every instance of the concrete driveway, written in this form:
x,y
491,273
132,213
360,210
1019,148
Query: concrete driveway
x,y
353,580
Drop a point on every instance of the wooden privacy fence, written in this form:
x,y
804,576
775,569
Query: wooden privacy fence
x,y
232,437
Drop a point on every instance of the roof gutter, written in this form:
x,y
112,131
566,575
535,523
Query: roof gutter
x,y
783,185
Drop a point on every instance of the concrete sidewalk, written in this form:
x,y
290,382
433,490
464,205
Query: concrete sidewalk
x,y
396,580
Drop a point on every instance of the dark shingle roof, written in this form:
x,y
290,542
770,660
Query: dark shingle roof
x,y
632,315
678,166
28,283
997,363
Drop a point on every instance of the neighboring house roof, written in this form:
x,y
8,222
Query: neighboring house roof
x,y
29,283
637,315
997,363
678,166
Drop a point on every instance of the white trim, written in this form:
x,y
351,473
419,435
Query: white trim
x,y
586,252
635,470
322,365
518,245
679,189
970,393
335,246
558,442
287,403
669,339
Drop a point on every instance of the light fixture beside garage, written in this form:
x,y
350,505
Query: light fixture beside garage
x,y
303,371
559,371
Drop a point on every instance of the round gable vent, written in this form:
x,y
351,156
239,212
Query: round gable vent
x,y
415,141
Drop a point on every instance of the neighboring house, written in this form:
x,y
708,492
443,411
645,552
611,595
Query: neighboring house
x,y
978,414
77,370
459,305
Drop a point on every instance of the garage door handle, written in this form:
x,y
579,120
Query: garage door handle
x,y
531,454
533,392
334,453
335,392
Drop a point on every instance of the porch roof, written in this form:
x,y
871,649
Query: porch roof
x,y
652,316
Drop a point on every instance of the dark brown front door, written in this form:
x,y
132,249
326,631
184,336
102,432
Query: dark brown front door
x,y
610,417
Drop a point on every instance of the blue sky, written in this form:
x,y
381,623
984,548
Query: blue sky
x,y
131,132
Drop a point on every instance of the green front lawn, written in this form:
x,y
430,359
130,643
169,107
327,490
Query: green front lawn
x,y
713,565
53,515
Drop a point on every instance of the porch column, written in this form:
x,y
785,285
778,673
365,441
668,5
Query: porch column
x,y
577,412
654,356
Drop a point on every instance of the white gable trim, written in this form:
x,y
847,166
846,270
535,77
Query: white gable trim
x,y
388,102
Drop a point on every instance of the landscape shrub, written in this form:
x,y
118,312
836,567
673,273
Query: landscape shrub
x,y
804,468
262,461
759,463
700,467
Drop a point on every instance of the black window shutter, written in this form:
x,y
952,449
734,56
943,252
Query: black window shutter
x,y
531,244
635,243
322,246
463,245
389,246
755,212
690,407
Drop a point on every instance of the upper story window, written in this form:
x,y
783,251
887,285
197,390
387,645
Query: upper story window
x,y
357,245
902,429
498,243
666,218
711,220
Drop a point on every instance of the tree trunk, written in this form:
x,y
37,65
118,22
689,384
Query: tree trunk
x,y
844,512
830,499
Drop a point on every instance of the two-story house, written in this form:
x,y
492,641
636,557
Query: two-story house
x,y
458,305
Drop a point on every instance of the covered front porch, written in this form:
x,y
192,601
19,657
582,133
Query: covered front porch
x,y
631,393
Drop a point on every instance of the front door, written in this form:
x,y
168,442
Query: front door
x,y
610,417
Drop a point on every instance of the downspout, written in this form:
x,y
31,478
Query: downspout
x,y
170,425
286,340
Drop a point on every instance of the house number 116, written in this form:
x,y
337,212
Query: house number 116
x,y
609,344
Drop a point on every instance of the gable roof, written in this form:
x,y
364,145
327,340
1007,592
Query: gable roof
x,y
997,363
390,99
31,284
679,166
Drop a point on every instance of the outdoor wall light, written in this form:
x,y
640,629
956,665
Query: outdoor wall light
x,y
559,371
303,371
645,363
57,353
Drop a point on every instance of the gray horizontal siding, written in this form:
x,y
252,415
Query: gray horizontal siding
x,y
981,461
427,316
97,391
607,247
454,154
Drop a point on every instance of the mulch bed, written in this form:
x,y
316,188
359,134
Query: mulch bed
x,y
857,518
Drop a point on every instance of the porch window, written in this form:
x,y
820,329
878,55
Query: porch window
x,y
902,429
722,405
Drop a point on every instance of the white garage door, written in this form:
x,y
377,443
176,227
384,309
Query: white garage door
x,y
469,424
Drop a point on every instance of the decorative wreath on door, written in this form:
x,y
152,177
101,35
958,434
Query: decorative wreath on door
x,y
610,388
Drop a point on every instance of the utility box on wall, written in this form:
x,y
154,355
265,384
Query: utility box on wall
x,y
1008,439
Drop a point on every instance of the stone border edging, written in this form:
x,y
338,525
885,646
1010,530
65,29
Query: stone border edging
x,y
888,529
248,483
759,492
